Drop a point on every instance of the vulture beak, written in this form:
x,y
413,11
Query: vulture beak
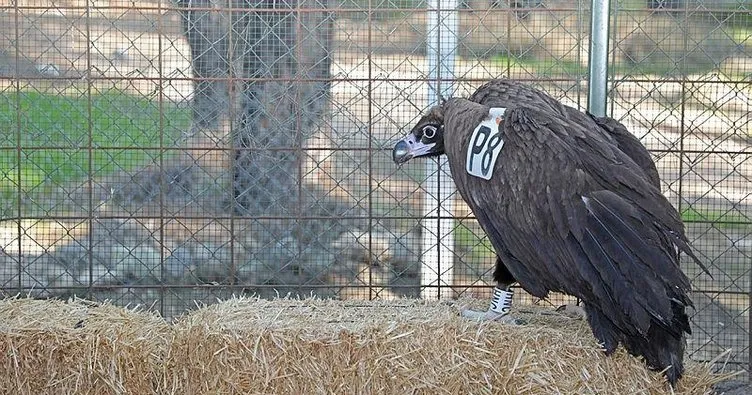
x,y
409,148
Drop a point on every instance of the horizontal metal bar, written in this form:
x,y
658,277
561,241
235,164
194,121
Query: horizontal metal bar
x,y
286,149
712,291
163,78
698,10
133,7
222,218
280,79
710,222
189,148
616,81
267,286
282,218
229,286
692,151
281,9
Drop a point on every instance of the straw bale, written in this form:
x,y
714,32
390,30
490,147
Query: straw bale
x,y
286,346
77,347
397,347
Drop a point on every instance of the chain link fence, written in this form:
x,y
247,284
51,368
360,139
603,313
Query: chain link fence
x,y
171,153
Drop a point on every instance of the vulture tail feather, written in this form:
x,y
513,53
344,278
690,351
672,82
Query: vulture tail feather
x,y
661,340
603,329
661,349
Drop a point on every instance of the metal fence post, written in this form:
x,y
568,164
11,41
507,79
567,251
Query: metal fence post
x,y
438,240
598,64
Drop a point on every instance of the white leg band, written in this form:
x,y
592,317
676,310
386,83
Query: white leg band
x,y
501,302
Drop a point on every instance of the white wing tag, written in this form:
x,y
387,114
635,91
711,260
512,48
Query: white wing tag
x,y
485,145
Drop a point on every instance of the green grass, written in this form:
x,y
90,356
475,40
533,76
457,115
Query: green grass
x,y
546,68
722,219
479,250
741,34
53,132
650,68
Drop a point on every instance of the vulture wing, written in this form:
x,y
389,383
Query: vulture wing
x,y
630,145
578,216
508,93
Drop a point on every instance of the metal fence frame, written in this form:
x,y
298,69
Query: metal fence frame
x,y
438,212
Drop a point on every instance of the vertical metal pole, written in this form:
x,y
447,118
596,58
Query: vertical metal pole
x,y
598,67
438,240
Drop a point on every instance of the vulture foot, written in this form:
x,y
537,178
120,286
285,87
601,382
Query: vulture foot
x,y
498,310
491,315
572,311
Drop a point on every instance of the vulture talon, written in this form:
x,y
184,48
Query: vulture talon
x,y
491,315
572,311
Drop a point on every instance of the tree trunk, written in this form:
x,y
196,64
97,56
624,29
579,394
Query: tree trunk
x,y
262,67
255,68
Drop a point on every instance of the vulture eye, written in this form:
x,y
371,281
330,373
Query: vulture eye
x,y
429,131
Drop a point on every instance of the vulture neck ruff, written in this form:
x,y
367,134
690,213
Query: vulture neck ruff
x,y
485,145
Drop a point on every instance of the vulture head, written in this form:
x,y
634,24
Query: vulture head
x,y
425,139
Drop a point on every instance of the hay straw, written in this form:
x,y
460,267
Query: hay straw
x,y
398,347
252,346
56,347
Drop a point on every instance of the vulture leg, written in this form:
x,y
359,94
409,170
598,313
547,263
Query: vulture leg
x,y
505,279
501,302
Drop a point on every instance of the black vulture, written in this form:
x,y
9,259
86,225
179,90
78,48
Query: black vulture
x,y
571,203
